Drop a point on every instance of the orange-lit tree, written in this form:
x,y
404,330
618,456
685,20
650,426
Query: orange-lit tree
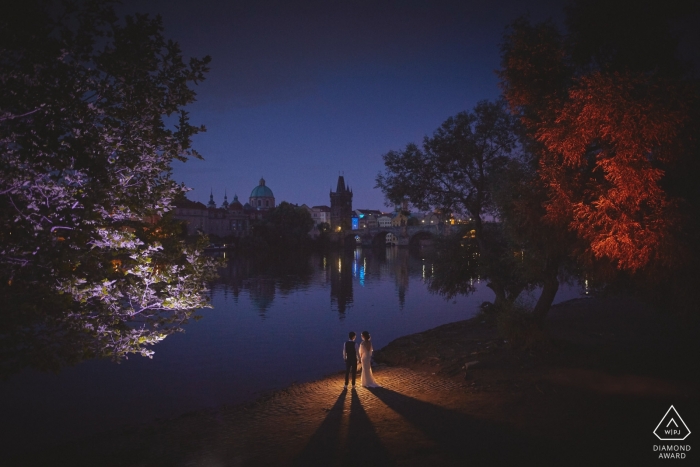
x,y
608,121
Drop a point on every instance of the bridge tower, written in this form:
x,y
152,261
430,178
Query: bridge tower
x,y
341,207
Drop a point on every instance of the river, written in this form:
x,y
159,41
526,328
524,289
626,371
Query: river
x,y
274,322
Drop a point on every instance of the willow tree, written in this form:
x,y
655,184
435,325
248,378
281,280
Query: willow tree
x,y
88,254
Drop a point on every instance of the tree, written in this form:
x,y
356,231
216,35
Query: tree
x,y
452,170
88,249
453,173
608,124
285,227
608,118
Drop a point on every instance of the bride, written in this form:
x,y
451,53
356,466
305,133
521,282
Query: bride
x,y
367,380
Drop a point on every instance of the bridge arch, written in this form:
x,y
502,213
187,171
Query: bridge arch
x,y
379,239
350,240
421,238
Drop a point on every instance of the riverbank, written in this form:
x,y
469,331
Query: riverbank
x,y
596,393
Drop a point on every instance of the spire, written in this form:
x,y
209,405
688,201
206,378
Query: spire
x,y
262,181
341,184
225,203
211,203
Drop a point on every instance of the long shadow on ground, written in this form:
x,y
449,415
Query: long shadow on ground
x,y
364,446
460,437
325,445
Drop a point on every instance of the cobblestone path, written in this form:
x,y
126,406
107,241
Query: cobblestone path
x,y
415,419
412,419
320,423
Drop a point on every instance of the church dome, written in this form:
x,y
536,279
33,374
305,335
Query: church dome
x,y
235,204
261,191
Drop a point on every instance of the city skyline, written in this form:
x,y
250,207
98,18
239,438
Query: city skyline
x,y
299,91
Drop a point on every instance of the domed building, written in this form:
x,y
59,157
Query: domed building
x,y
261,198
231,219
235,205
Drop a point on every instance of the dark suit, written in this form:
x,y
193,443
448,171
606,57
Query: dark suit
x,y
350,356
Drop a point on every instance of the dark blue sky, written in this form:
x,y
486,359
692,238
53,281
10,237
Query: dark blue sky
x,y
299,91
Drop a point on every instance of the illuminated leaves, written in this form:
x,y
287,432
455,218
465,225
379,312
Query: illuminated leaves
x,y
608,139
85,187
603,140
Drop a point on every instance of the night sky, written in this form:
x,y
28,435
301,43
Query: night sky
x,y
299,91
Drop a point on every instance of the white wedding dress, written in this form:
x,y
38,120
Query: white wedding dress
x,y
367,379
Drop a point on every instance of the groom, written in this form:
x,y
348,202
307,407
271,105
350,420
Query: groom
x,y
350,357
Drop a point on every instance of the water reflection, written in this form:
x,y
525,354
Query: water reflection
x,y
265,278
270,313
328,282
341,276
260,280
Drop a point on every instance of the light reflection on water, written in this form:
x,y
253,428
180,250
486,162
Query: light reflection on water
x,y
274,322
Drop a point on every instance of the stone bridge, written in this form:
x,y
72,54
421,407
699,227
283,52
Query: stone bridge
x,y
380,236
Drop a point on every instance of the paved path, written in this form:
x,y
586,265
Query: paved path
x,y
414,419
319,423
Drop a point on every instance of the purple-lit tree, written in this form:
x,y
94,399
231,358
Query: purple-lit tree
x,y
87,247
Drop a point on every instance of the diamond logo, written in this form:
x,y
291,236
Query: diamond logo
x,y
672,427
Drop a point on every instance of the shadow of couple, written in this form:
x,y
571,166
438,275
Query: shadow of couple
x,y
453,436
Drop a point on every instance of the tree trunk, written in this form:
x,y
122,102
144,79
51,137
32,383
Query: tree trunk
x,y
500,292
549,290
479,229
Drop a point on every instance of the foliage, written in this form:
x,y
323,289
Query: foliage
x,y
478,163
451,172
88,249
285,227
456,265
455,172
608,123
459,265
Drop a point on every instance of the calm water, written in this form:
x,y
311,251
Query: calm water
x,y
273,323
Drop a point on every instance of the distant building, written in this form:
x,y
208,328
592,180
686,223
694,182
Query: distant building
x,y
194,213
368,218
384,221
430,218
321,214
399,220
230,219
341,207
223,222
261,199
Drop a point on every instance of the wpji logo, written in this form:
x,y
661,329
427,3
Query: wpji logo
x,y
672,428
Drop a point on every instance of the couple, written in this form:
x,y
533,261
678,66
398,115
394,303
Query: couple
x,y
350,357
